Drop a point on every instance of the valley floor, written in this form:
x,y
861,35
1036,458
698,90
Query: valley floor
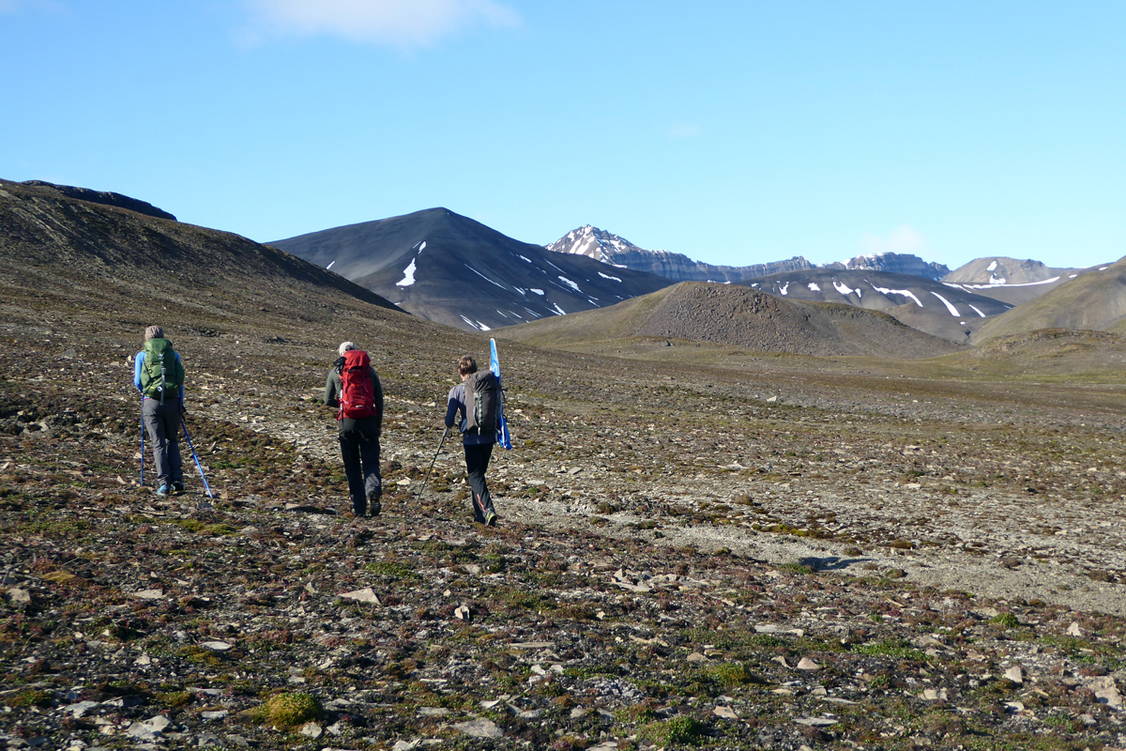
x,y
769,557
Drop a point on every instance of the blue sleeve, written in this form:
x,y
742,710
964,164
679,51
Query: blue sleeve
x,y
138,363
451,407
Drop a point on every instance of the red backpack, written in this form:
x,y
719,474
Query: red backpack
x,y
357,386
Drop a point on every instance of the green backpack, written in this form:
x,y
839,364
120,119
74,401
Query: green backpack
x,y
162,373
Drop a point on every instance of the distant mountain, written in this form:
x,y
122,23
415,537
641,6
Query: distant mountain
x,y
100,196
735,316
609,248
919,302
1008,279
893,263
1093,300
448,268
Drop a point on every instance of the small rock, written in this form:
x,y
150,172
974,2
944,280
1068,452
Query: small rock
x,y
217,714
367,594
217,646
462,612
79,709
149,594
1106,692
433,711
806,663
148,729
1015,674
312,730
817,722
479,728
19,597
697,657
725,712
930,694
1074,630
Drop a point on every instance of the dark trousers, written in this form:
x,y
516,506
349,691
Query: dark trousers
x,y
476,464
359,446
162,423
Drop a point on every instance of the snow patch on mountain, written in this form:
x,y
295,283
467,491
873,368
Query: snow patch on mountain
x,y
408,276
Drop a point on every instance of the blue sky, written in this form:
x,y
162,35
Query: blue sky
x,y
735,132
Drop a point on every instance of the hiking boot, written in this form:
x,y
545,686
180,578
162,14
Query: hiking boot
x,y
163,489
178,487
374,506
490,518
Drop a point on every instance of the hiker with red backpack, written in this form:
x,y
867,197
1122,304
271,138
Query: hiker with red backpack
x,y
158,373
473,405
353,388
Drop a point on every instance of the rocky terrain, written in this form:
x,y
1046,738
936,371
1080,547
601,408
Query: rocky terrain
x,y
1009,280
747,551
448,268
613,249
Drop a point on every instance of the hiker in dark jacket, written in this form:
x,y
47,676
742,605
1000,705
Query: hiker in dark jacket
x,y
478,444
359,435
162,402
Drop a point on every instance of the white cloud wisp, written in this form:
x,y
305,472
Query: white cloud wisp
x,y
398,23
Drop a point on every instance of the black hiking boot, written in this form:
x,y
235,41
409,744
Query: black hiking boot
x,y
491,518
178,487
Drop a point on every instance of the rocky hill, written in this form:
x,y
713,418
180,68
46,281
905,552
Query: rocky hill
x,y
1094,300
926,305
451,269
764,552
739,316
893,263
610,248
1008,279
98,196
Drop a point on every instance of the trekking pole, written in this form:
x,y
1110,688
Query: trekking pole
x,y
426,479
195,457
142,440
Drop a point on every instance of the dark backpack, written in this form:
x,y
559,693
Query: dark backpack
x,y
357,386
162,373
482,402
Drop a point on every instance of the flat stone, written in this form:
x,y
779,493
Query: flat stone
x,y
19,596
479,728
149,594
149,728
817,722
216,646
367,594
1105,690
80,708
1015,674
725,712
312,730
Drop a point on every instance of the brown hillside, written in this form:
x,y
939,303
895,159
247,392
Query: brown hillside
x,y
1095,300
738,316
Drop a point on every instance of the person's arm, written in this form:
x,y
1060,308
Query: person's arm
x,y
452,406
332,390
181,361
378,401
138,364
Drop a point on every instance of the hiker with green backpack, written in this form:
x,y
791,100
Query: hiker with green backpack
x,y
158,373
473,405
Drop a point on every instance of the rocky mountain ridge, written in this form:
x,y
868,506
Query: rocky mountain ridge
x,y
613,249
454,270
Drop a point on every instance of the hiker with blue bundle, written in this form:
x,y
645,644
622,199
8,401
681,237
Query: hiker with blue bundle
x,y
158,373
473,405
353,387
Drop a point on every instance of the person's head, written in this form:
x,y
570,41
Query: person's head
x,y
344,347
154,332
466,365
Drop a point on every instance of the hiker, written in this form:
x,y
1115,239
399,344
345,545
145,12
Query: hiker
x,y
158,373
353,387
477,440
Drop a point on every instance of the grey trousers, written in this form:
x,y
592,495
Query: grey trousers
x,y
162,423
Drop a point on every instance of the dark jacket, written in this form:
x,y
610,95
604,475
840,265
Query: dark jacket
x,y
332,398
